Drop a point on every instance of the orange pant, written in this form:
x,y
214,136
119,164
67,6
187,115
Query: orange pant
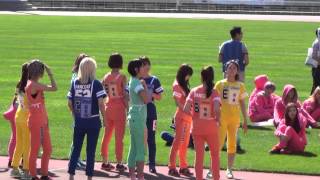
x,y
39,136
212,140
180,142
115,120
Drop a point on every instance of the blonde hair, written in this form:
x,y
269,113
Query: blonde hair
x,y
35,69
87,70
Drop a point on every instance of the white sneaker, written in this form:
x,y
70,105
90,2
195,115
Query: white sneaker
x,y
229,174
16,173
209,175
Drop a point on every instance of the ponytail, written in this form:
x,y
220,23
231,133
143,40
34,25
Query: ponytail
x,y
207,75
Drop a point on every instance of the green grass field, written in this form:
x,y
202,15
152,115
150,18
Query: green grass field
x,y
276,48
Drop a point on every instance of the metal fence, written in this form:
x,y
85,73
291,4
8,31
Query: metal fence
x,y
206,6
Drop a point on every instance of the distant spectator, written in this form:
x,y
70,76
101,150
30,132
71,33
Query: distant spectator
x,y
234,49
316,56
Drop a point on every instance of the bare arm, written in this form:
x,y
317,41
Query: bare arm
x,y
70,105
187,107
44,87
246,59
156,96
143,93
102,108
126,95
244,114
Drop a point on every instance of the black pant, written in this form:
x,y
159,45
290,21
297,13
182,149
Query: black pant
x,y
152,149
316,78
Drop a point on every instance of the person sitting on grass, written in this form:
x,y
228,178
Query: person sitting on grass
x,y
290,95
312,104
291,132
263,104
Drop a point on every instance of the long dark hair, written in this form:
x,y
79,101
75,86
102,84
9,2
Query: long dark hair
x,y
236,63
77,62
24,78
296,123
207,75
183,71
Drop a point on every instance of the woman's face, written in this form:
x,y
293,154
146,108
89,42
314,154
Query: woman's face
x,y
187,77
291,95
232,70
268,91
292,113
145,70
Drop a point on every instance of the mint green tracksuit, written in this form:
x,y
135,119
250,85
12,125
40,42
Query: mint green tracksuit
x,y
137,117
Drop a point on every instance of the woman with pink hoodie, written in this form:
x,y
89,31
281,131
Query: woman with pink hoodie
x,y
263,104
312,104
290,95
291,132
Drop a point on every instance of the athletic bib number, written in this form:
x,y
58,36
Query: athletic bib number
x,y
231,95
113,90
83,101
205,111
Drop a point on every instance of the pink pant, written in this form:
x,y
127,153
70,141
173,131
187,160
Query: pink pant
x,y
12,141
294,142
259,117
316,114
39,136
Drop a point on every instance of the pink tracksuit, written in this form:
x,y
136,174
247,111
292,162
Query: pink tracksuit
x,y
280,107
312,108
297,141
260,107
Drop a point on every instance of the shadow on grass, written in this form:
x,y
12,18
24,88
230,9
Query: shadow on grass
x,y
305,154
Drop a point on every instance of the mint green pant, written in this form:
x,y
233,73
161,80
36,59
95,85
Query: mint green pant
x,y
137,124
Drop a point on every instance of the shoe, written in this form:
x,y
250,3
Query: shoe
x,y
275,150
45,178
35,178
153,170
229,174
121,167
26,176
80,167
16,173
107,167
285,151
185,172
173,172
209,175
82,163
240,150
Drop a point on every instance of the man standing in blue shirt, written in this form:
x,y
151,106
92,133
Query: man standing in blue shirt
x,y
154,93
234,49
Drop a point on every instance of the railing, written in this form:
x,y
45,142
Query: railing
x,y
207,6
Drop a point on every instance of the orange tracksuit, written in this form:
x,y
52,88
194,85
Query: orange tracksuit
x,y
183,124
115,114
39,130
205,129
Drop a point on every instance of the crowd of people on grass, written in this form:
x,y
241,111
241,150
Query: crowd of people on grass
x,y
209,114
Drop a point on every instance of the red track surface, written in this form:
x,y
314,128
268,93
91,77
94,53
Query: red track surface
x,y
58,170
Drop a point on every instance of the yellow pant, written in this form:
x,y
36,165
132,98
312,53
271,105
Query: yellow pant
x,y
229,128
22,146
